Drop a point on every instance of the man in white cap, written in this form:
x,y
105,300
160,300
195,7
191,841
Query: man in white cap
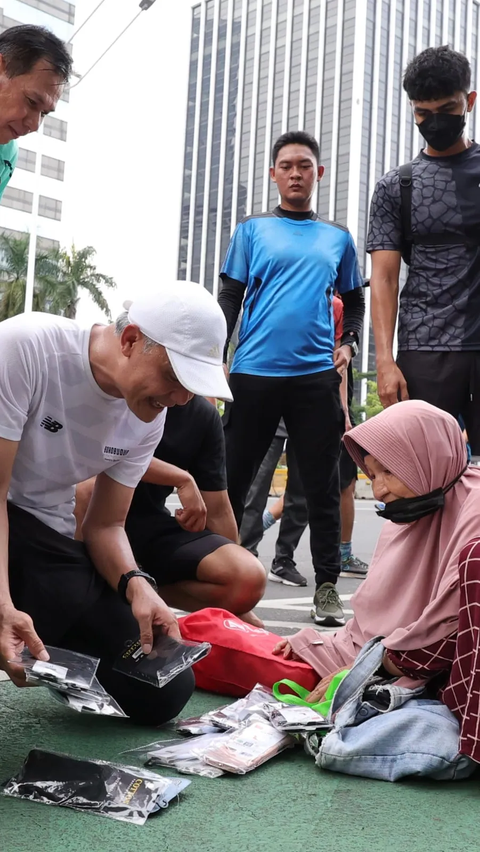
x,y
73,404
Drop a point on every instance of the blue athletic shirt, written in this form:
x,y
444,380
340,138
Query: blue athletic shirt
x,y
290,268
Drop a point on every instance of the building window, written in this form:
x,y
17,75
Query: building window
x,y
18,199
56,128
53,168
44,244
26,160
57,8
51,208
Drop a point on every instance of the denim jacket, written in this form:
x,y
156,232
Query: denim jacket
x,y
386,731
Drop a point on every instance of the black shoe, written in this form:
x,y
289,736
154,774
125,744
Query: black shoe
x,y
354,567
283,570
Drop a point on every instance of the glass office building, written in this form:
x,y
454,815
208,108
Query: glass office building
x,y
332,67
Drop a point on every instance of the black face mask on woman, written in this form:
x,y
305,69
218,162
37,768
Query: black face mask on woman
x,y
442,130
409,509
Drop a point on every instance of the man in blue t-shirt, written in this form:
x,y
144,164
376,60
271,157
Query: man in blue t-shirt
x,y
284,266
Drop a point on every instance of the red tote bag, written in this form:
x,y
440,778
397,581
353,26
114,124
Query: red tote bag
x,y
241,655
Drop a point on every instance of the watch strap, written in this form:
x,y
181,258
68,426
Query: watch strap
x,y
125,579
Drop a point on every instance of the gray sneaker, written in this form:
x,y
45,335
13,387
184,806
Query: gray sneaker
x,y
353,567
328,607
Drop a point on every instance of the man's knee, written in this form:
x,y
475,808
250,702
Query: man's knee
x,y
147,705
250,571
240,573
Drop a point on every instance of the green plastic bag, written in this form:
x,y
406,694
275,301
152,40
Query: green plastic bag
x,y
300,693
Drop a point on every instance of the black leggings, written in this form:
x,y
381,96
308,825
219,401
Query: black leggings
x,y
53,579
310,406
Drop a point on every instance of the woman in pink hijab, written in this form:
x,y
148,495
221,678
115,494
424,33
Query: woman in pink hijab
x,y
425,572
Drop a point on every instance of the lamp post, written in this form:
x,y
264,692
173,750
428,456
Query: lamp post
x,y
32,243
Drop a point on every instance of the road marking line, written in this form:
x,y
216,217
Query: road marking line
x,y
279,601
291,608
300,625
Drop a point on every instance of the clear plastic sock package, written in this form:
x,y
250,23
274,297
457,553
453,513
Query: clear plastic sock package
x,y
70,679
93,786
184,755
234,716
167,659
248,748
67,668
285,717
194,726
93,700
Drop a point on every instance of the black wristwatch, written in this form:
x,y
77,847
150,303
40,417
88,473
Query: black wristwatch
x,y
125,579
349,339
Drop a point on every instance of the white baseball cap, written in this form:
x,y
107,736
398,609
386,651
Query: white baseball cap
x,y
186,319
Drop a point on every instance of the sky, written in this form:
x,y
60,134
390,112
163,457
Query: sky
x,y
126,144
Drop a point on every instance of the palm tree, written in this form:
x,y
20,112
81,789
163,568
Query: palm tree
x,y
59,278
77,272
13,275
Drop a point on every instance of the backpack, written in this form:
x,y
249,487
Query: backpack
x,y
469,238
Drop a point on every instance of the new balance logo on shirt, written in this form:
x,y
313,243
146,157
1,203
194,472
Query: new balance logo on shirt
x,y
51,425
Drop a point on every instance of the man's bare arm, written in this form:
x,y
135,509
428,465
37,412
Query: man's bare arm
x,y
193,514
220,517
107,543
8,451
384,287
16,628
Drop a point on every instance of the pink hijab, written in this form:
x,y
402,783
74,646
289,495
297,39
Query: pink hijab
x,y
411,595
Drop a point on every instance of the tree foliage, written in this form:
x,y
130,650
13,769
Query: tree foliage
x,y
60,279
372,405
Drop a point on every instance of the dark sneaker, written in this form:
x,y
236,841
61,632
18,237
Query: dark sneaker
x,y
284,571
328,609
354,567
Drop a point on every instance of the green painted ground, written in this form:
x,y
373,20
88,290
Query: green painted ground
x,y
287,805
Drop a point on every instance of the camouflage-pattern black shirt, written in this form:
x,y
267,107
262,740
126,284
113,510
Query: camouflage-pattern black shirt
x,y
440,302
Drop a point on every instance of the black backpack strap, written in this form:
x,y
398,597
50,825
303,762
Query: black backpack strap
x,y
405,175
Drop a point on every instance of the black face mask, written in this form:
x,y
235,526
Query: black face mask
x,y
409,509
442,130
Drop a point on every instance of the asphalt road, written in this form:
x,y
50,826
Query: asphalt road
x,y
286,609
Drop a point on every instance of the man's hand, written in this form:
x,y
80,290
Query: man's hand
x,y
341,358
390,383
151,612
193,516
16,632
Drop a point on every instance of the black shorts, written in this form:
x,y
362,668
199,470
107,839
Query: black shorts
x,y
166,551
53,579
449,380
348,468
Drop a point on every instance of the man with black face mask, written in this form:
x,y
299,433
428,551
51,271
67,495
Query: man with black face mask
x,y
429,213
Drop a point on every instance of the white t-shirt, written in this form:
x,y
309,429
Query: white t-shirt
x,y
68,428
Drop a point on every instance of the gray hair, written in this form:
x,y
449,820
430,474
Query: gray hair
x,y
120,325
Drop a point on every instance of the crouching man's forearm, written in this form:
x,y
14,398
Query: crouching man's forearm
x,y
108,546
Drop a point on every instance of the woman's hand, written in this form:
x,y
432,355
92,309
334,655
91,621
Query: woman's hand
x,y
283,647
318,694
